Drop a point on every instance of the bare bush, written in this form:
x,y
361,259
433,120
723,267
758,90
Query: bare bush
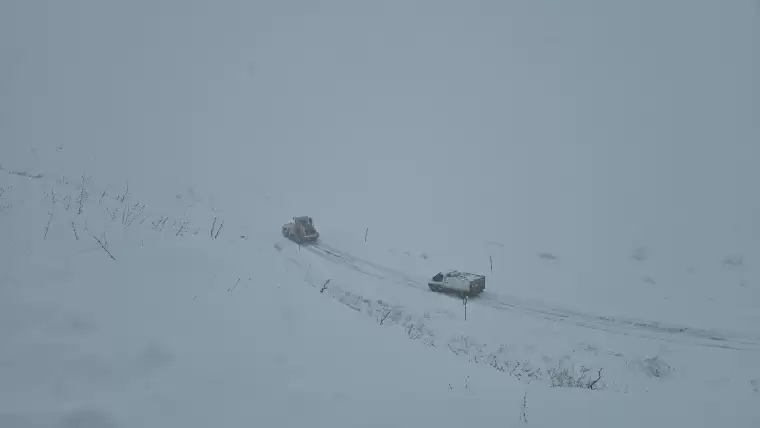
x,y
414,332
160,224
131,212
182,228
564,377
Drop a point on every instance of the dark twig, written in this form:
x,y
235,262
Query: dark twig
x,y
26,174
215,233
47,227
182,228
102,245
82,195
524,414
160,224
134,212
124,195
385,316
591,385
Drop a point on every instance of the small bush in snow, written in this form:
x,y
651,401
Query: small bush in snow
x,y
564,377
655,367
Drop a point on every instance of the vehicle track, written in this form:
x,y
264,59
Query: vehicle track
x,y
364,266
624,326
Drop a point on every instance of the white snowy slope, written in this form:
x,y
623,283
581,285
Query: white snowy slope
x,y
594,161
180,329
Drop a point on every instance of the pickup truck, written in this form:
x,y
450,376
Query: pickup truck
x,y
459,283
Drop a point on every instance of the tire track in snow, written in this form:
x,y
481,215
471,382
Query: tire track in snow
x,y
364,266
624,326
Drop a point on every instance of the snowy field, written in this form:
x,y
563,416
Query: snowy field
x,y
150,152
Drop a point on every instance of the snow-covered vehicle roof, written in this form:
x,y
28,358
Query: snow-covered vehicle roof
x,y
463,275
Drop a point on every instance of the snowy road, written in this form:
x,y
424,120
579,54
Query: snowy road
x,y
624,326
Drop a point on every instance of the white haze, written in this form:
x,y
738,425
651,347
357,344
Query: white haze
x,y
584,129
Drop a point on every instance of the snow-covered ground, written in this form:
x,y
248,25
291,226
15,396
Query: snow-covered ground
x,y
181,329
150,151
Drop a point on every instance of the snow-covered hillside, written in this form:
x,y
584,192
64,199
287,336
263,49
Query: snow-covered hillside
x,y
150,151
128,316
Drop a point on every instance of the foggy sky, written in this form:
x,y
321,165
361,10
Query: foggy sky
x,y
587,127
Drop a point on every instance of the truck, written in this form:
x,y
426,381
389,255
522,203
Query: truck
x,y
459,283
301,230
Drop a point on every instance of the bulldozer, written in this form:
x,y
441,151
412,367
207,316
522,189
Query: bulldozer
x,y
301,230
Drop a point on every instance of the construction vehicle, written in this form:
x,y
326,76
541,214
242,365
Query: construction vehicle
x,y
460,283
301,230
